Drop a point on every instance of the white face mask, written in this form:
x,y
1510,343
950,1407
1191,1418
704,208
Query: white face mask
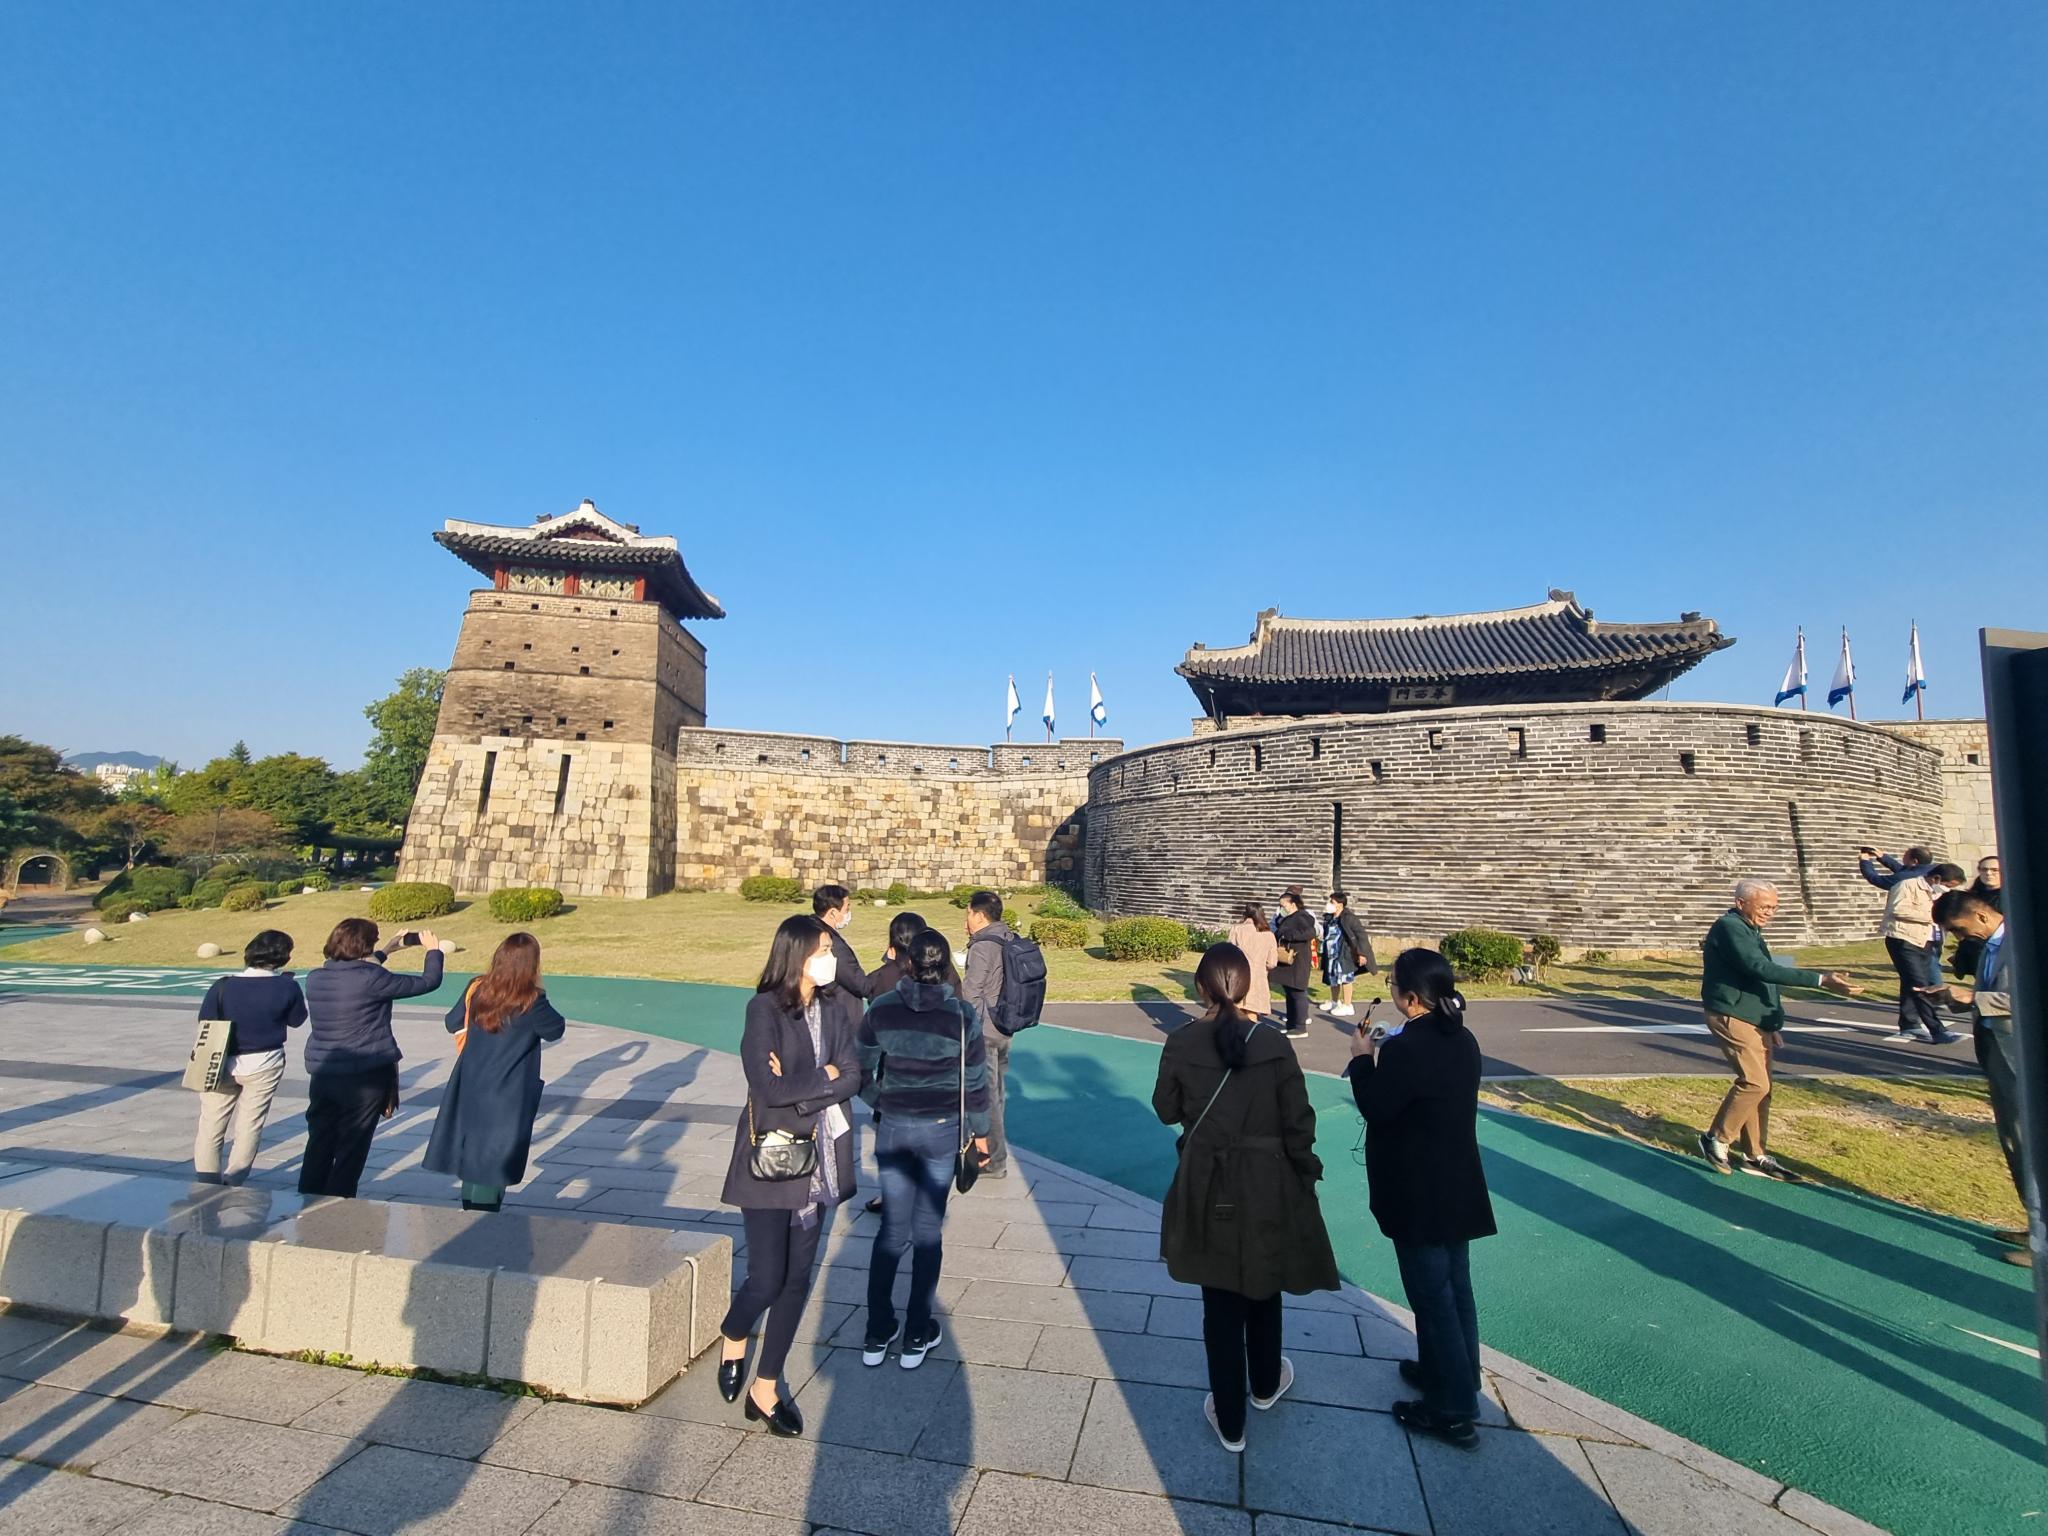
x,y
822,969
1329,910
846,921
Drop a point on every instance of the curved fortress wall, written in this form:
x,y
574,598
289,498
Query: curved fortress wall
x,y
872,812
1609,825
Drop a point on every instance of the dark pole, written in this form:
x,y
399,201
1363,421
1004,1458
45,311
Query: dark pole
x,y
2016,714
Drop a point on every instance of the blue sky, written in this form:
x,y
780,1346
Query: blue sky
x,y
956,340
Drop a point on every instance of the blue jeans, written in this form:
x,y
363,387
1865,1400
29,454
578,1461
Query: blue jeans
x,y
1438,1280
916,1162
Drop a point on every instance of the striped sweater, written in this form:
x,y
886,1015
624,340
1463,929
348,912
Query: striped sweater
x,y
910,1055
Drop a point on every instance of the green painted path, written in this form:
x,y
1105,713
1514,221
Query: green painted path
x,y
1872,1355
28,933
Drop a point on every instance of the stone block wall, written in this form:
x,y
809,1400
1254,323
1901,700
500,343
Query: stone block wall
x,y
1968,829
1616,825
871,813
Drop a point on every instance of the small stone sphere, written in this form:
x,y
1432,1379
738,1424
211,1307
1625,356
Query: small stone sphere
x,y
93,936
138,917
208,951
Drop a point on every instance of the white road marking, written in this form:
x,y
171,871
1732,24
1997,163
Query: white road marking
x,y
1668,1029
2018,1349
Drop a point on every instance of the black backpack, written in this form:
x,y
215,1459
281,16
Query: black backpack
x,y
1022,999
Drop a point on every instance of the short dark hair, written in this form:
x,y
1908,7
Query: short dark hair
x,y
1341,896
931,957
904,927
1950,906
793,945
1948,874
988,904
354,938
829,898
268,951
1917,855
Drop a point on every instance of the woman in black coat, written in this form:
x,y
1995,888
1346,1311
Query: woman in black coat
x,y
485,1126
1241,1218
1295,933
802,1061
1419,1092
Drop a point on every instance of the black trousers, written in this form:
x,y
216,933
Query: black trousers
x,y
780,1255
342,1112
1918,966
1297,1007
1240,1333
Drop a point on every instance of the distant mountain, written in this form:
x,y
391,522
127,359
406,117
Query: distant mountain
x,y
85,762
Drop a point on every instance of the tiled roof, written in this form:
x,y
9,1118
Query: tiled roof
x,y
1557,635
585,539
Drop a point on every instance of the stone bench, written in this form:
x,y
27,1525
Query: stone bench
x,y
593,1310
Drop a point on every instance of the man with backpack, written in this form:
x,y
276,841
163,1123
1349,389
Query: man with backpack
x,y
1004,978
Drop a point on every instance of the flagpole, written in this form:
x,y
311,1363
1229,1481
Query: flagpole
x,y
1919,682
1851,674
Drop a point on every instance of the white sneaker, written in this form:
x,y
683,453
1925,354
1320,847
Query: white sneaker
x,y
1915,1033
1235,1447
1286,1381
1341,1010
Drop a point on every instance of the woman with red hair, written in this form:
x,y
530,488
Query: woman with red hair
x,y
486,1122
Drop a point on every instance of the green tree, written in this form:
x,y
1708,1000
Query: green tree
x,y
223,832
127,827
397,755
239,753
205,789
37,793
294,791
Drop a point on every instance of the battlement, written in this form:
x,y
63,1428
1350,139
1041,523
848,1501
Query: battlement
x,y
789,752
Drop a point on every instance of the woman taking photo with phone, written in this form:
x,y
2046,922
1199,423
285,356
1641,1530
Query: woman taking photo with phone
x,y
1419,1092
1241,1218
792,1154
485,1127
350,1051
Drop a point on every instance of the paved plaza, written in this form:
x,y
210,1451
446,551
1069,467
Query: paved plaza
x,y
1066,1396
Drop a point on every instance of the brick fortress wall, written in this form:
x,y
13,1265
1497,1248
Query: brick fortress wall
x,y
1968,831
872,812
552,761
1518,818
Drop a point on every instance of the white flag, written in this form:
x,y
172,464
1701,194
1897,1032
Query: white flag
x,y
1048,701
1794,685
1097,710
1916,675
1845,676
1015,704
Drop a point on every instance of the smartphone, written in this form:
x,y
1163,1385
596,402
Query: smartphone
x,y
405,940
1868,853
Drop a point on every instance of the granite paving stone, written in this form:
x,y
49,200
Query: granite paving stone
x,y
1008,1420
233,1461
978,1340
1529,1409
1555,1491
92,1360
1055,1306
646,1452
1141,1276
590,1510
869,1492
1328,1332
1661,1497
1078,1242
878,1408
1013,1265
386,1490
74,1429
180,1516
1121,1217
1153,1440
243,1386
19,1331
35,1501
1341,1465
1135,1357
1026,1506
1824,1518
418,1415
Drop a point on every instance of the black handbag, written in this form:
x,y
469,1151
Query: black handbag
x,y
779,1156
966,1166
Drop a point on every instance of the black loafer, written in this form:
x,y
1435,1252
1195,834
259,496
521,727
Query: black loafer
x,y
732,1375
1411,1372
1417,1418
784,1421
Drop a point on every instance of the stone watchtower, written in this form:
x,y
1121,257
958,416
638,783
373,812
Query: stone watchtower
x,y
553,761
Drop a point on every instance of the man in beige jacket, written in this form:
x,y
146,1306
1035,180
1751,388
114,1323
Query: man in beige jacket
x,y
1910,936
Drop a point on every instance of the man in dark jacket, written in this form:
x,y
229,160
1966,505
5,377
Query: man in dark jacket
x,y
833,905
1739,984
1974,918
987,933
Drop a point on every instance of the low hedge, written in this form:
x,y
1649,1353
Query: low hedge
x,y
192,903
1144,938
317,880
1059,903
411,900
152,884
290,887
209,892
246,898
897,894
384,872
121,907
1545,949
1060,932
1202,940
1481,952
525,903
779,888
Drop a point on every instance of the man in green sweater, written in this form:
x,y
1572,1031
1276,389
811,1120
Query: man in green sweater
x,y
1739,984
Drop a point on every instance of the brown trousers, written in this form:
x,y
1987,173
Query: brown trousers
x,y
1745,1116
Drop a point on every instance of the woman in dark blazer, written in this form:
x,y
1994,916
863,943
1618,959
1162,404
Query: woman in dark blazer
x,y
485,1126
1419,1092
1241,1218
802,1063
1295,931
350,1052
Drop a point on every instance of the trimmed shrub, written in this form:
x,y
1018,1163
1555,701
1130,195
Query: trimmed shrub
x,y
1596,957
897,894
1201,940
117,910
232,873
781,888
1545,950
317,879
153,884
1481,952
209,892
1144,938
1014,918
1059,903
960,895
1060,933
411,900
191,903
245,898
283,888
384,872
525,903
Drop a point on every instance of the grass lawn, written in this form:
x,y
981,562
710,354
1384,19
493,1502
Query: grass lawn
x,y
715,936
1924,1141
